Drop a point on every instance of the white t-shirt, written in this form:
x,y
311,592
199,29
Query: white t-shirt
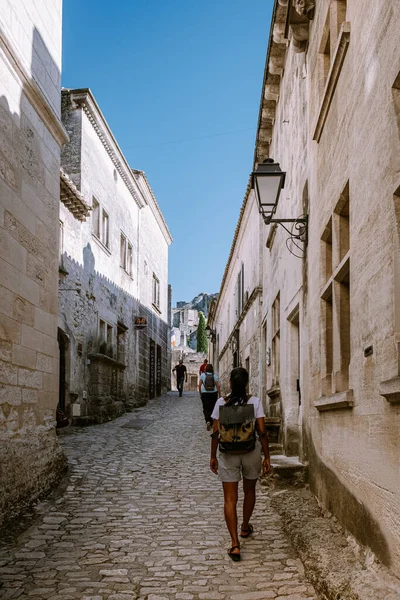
x,y
258,407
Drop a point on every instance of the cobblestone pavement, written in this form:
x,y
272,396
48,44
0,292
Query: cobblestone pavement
x,y
141,517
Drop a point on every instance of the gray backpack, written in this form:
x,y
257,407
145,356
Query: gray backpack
x,y
209,382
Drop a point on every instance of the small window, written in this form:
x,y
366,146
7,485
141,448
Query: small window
x,y
126,254
129,259
156,291
61,248
102,331
105,238
122,261
109,335
106,338
96,218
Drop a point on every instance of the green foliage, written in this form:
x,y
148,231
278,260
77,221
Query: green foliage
x,y
202,342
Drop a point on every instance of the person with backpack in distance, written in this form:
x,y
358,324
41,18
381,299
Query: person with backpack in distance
x,y
237,419
209,391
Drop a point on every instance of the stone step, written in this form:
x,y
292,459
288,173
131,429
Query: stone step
x,y
273,425
288,468
275,449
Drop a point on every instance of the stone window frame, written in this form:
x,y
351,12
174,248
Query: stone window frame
x,y
332,51
335,322
276,340
100,226
156,293
61,242
106,337
390,388
126,254
239,291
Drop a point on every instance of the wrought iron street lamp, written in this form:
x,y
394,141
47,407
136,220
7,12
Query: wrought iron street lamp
x,y
268,180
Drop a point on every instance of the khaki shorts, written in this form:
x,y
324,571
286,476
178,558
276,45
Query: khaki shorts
x,y
231,467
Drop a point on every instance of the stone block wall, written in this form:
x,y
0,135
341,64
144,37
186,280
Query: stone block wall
x,y
31,460
110,366
334,130
99,386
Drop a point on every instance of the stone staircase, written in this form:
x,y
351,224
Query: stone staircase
x,y
288,469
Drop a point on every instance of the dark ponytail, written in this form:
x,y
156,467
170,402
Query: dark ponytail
x,y
239,379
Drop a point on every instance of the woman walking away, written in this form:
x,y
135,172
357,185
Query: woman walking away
x,y
209,393
237,418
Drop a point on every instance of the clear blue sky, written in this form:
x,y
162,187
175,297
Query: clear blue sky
x,y
170,70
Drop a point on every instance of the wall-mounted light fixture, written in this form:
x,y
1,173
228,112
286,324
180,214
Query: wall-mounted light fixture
x,y
268,180
211,334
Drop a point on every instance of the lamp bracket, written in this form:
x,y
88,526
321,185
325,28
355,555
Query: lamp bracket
x,y
297,233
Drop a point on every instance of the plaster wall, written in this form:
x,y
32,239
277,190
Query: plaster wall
x,y
100,180
153,259
246,250
31,460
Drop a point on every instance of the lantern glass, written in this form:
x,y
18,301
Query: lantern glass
x,y
268,181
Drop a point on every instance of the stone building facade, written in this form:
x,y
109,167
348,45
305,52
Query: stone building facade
x,y
31,134
329,115
113,276
235,315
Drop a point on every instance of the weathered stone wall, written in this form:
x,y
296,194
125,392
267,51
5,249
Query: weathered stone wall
x,y
101,387
226,320
104,378
31,134
358,447
335,132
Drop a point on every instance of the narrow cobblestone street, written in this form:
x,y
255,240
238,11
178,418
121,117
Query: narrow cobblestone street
x,y
141,516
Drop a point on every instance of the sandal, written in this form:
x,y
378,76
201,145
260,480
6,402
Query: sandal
x,y
234,555
247,531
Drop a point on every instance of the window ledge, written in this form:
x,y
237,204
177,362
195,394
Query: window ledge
x,y
332,79
126,272
104,358
390,389
335,402
156,308
100,243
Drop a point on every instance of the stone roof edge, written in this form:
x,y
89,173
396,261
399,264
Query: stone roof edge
x,y
81,207
155,207
290,23
235,237
83,97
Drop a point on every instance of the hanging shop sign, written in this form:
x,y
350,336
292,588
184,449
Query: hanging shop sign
x,y
140,322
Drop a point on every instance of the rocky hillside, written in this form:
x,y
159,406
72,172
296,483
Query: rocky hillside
x,y
201,303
